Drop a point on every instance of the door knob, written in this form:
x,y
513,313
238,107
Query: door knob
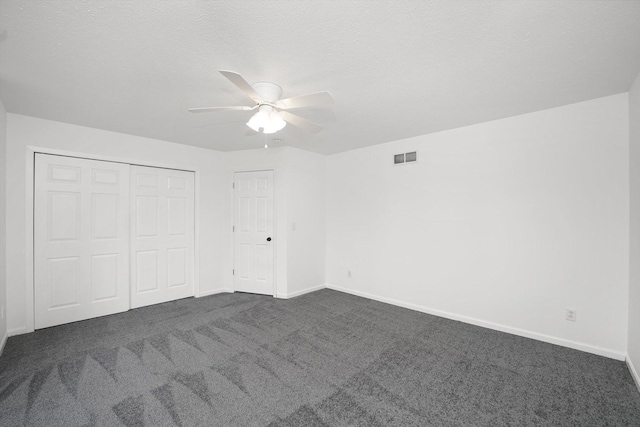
x,y
268,239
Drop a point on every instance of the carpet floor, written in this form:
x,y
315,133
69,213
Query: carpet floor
x,y
322,359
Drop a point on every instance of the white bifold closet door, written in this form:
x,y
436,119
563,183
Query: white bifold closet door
x,y
109,237
162,235
81,239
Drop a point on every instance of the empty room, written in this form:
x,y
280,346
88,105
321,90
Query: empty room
x,y
320,213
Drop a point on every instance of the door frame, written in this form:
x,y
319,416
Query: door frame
x,y
275,226
30,194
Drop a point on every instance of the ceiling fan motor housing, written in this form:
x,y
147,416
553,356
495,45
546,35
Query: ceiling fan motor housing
x,y
270,92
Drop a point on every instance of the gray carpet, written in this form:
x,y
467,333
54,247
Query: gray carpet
x,y
325,358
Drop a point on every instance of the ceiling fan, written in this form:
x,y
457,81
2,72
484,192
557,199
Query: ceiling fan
x,y
273,114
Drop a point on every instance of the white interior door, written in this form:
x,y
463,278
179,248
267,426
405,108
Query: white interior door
x,y
81,239
162,235
253,232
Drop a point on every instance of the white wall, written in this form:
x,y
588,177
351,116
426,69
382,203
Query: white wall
x,y
634,232
23,131
299,197
3,204
503,224
306,205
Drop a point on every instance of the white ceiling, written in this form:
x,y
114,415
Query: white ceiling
x,y
395,68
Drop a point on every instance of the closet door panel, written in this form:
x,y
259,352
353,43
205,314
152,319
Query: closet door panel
x,y
81,239
162,238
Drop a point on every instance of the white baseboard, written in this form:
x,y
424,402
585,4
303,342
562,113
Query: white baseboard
x,y
302,291
634,373
3,342
213,292
612,354
23,330
17,331
473,321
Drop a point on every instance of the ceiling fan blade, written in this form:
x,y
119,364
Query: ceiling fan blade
x,y
242,84
251,132
300,122
319,99
208,109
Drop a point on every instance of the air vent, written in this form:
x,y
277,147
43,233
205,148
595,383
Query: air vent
x,y
405,158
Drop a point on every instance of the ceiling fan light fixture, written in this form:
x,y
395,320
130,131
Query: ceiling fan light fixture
x,y
258,120
268,121
275,123
272,114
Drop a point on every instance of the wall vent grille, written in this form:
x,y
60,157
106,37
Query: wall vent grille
x,y
399,159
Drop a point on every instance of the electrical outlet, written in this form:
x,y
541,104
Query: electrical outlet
x,y
349,274
571,315
293,226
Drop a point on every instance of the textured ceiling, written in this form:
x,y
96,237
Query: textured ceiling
x,y
395,68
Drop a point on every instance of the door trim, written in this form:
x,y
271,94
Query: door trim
x,y
29,223
275,226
